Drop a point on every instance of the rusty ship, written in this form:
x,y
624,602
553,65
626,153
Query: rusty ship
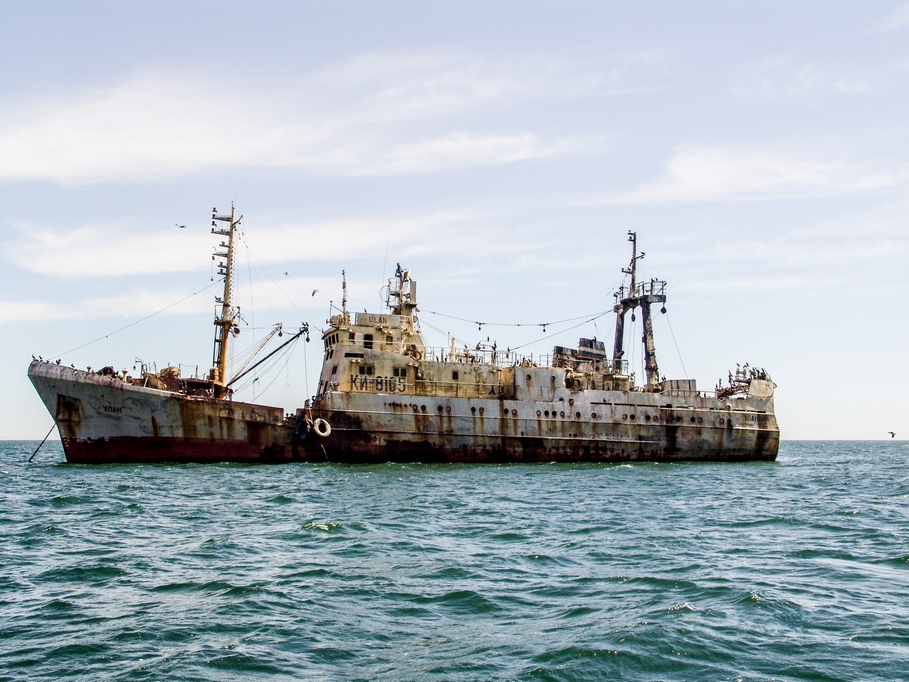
x,y
386,396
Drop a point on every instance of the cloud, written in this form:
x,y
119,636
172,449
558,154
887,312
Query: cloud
x,y
700,173
374,115
117,248
133,247
34,311
465,149
896,20
779,78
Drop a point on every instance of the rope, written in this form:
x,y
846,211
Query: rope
x,y
133,324
676,346
42,443
516,324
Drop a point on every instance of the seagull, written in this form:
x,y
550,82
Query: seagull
x,y
314,292
892,434
286,273
182,227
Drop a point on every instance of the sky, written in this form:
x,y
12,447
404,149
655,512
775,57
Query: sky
x,y
499,150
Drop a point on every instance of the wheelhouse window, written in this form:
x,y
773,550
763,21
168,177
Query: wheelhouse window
x,y
367,340
399,371
367,370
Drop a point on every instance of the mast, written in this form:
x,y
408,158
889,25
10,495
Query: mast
x,y
344,297
642,295
226,322
404,290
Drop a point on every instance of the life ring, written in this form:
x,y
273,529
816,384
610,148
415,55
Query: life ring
x,y
322,428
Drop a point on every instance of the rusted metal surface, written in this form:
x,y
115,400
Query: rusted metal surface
x,y
584,425
388,397
384,395
106,419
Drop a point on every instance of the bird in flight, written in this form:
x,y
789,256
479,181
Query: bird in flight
x,y
892,434
315,291
182,227
286,274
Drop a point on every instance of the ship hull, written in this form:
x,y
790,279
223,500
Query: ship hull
x,y
105,420
102,419
587,426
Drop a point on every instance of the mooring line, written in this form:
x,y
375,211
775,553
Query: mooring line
x,y
42,443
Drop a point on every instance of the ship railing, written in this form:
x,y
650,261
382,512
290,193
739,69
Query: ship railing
x,y
654,287
486,355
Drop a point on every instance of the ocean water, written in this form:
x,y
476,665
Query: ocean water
x,y
794,570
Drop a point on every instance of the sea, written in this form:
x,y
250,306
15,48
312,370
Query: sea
x,y
791,570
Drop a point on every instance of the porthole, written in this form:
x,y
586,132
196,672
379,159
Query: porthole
x,y
482,410
422,408
448,408
577,415
647,417
593,415
562,414
692,420
439,408
631,417
700,420
547,412
625,417
514,413
473,410
539,413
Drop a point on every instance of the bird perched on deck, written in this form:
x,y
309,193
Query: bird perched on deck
x,y
892,434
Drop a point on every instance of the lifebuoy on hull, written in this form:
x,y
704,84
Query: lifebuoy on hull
x,y
321,428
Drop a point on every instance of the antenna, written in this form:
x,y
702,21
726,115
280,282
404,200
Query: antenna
x,y
344,294
632,268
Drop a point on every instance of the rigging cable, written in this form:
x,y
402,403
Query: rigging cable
x,y
133,324
42,442
514,324
687,376
274,281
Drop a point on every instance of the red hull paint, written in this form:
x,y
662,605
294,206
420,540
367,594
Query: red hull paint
x,y
188,451
173,450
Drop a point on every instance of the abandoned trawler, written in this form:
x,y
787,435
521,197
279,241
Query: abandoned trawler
x,y
384,395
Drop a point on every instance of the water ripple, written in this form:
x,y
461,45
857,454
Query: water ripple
x,y
794,570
